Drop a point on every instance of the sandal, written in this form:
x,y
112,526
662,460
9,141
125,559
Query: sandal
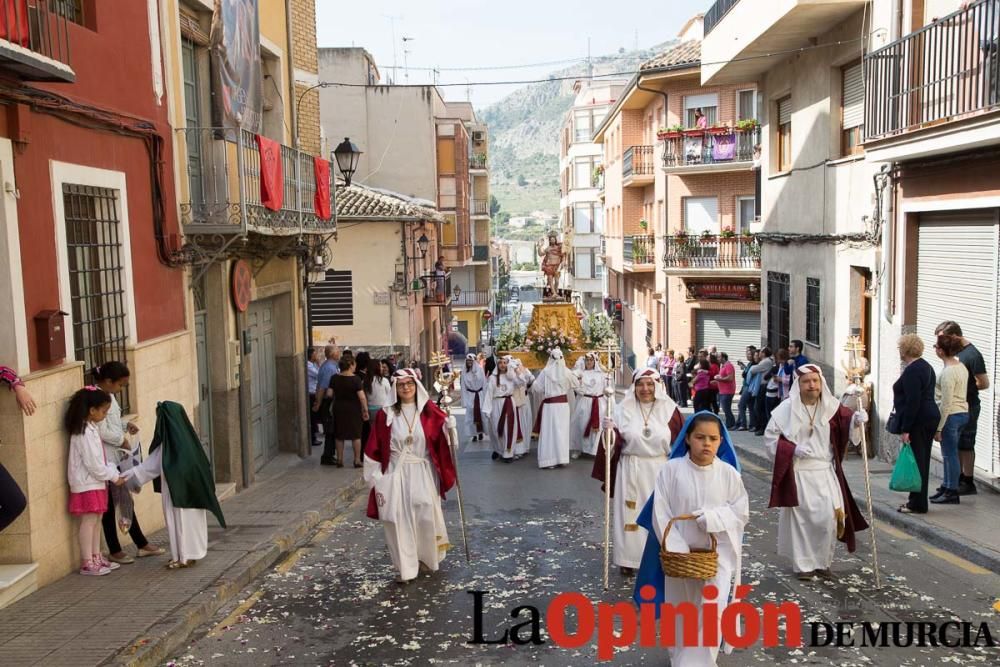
x,y
176,565
906,509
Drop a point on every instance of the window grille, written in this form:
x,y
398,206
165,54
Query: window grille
x,y
96,277
812,310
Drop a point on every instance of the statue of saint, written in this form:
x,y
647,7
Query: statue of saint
x,y
552,258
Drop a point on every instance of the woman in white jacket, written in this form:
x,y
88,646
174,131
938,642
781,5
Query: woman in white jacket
x,y
88,471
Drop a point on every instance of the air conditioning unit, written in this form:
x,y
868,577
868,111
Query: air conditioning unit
x,y
479,135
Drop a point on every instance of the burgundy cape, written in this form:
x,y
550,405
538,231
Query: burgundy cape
x,y
676,424
784,492
432,419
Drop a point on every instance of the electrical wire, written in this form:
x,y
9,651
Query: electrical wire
x,y
518,82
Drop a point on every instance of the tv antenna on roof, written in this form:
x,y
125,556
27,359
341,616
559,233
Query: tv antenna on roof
x,y
406,52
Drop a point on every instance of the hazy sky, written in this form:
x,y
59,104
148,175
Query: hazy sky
x,y
474,33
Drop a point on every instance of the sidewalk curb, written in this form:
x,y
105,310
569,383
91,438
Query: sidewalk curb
x,y
166,636
933,535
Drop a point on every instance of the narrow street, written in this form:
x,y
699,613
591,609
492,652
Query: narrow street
x,y
533,535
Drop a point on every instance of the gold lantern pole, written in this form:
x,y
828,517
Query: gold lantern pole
x,y
443,383
856,367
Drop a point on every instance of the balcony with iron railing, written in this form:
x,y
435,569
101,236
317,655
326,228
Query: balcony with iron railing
x,y
948,70
638,168
436,288
716,12
714,253
712,149
34,39
638,252
481,207
477,161
224,186
476,298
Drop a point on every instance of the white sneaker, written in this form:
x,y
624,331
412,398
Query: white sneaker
x,y
93,568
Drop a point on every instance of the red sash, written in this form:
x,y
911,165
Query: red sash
x,y
541,408
477,414
594,423
508,417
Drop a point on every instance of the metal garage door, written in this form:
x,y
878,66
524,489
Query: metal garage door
x,y
730,331
957,280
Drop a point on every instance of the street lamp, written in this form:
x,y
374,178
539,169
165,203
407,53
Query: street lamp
x,y
457,291
347,156
422,244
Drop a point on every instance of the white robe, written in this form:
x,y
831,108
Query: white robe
x,y
683,487
508,445
591,384
411,513
640,461
553,434
522,401
473,382
187,528
807,534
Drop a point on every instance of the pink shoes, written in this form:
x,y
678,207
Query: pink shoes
x,y
94,568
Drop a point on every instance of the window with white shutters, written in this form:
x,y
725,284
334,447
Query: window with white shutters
x,y
701,214
852,108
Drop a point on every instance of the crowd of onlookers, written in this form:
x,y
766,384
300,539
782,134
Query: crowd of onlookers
x,y
346,391
707,379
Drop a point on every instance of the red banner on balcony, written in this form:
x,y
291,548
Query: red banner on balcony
x,y
14,24
272,181
321,200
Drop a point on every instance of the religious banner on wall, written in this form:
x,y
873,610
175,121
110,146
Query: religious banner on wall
x,y
722,291
236,73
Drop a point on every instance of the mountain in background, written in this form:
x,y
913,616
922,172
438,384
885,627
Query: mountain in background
x,y
524,133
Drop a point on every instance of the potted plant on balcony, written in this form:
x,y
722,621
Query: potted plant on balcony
x,y
681,247
707,237
746,125
595,178
728,232
671,132
643,224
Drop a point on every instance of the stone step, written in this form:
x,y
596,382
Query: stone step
x,y
17,581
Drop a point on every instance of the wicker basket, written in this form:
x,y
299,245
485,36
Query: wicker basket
x,y
700,564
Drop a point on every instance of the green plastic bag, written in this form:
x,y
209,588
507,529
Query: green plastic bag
x,y
905,474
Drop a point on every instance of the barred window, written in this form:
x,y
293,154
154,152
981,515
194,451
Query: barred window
x,y
96,277
71,9
812,311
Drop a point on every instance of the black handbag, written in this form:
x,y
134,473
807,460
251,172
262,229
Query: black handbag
x,y
893,424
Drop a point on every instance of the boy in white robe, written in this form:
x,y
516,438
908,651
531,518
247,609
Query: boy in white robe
x,y
522,402
591,405
508,433
181,473
473,396
552,388
701,480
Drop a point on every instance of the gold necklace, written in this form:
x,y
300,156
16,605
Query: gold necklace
x,y
812,417
645,418
409,424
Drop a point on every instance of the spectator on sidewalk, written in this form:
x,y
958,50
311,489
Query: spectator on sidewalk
x,y
378,390
651,360
951,395
726,379
350,410
745,407
113,377
681,381
667,362
702,386
979,381
795,356
917,413
774,380
713,370
758,388
12,500
312,381
323,402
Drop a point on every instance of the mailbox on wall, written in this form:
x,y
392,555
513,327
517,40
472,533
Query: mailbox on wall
x,y
51,336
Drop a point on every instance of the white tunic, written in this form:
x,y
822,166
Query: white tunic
x,y
807,534
187,528
591,384
641,459
553,434
522,401
410,510
473,384
683,487
507,445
